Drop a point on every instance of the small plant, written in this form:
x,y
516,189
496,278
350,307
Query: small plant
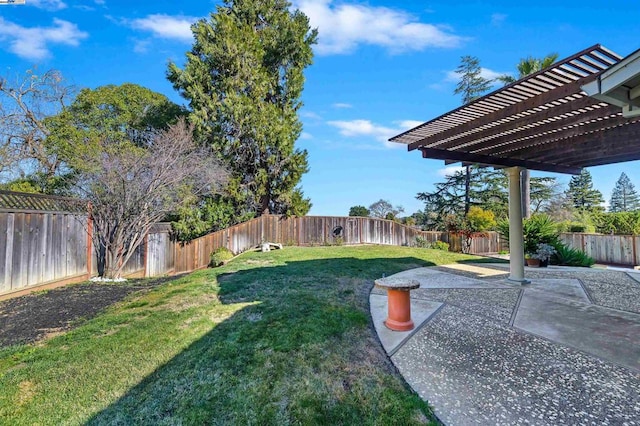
x,y
568,256
543,252
338,241
422,243
220,256
440,245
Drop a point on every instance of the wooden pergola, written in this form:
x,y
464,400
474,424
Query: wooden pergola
x,y
545,121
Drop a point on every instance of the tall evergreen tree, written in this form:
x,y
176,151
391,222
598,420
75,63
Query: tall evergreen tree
x,y
624,197
243,78
471,85
473,186
582,194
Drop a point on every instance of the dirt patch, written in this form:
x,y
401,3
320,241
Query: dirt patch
x,y
42,315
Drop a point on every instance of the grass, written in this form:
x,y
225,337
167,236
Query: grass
x,y
271,338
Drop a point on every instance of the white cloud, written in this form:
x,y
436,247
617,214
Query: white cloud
x,y
342,105
33,43
450,171
408,124
454,77
497,19
166,26
359,128
141,46
343,27
51,5
306,136
310,115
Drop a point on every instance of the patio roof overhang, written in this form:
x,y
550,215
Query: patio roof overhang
x,y
619,85
545,121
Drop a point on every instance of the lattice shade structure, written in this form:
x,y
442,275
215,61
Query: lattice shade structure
x,y
21,201
544,121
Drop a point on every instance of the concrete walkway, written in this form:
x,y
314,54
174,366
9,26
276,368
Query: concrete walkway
x,y
564,349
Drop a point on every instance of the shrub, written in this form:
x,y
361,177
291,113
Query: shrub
x,y
577,227
568,256
480,220
220,256
621,223
440,245
540,228
422,243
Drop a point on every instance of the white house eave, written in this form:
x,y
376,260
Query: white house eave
x,y
619,85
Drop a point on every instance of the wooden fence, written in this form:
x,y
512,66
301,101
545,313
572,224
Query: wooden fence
x,y
39,246
318,230
607,249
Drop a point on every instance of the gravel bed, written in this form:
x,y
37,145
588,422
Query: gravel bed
x,y
476,371
494,303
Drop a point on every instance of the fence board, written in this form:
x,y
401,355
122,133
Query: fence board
x,y
5,252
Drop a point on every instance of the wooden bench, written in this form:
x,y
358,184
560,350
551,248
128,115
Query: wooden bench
x,y
399,302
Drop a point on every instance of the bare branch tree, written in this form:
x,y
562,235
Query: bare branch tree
x,y
24,106
131,187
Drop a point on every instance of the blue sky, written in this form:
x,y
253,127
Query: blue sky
x,y
380,67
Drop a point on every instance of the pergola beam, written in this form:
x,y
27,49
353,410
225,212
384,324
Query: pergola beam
x,y
595,122
441,154
594,144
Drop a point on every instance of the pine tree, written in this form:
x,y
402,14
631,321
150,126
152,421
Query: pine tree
x,y
582,194
624,197
243,78
471,85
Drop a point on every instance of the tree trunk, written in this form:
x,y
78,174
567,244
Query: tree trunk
x,y
467,190
265,200
525,185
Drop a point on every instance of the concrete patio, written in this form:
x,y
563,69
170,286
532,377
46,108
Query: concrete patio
x,y
564,349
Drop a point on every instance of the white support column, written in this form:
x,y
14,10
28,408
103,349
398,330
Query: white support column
x,y
516,240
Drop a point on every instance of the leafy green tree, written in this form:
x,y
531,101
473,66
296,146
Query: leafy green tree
x,y
624,197
243,79
383,209
124,113
464,189
543,191
582,194
110,114
361,211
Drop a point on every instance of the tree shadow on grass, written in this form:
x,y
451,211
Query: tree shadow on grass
x,y
304,351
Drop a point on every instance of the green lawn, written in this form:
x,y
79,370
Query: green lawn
x,y
271,338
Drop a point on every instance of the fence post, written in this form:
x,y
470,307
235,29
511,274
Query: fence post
x,y
146,255
89,240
